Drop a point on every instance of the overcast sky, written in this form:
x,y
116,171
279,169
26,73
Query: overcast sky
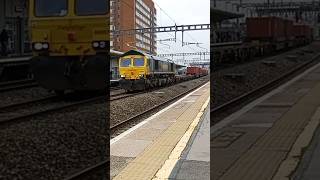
x,y
183,12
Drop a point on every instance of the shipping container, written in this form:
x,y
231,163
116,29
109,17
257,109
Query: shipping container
x,y
303,31
203,71
265,28
288,29
193,71
298,30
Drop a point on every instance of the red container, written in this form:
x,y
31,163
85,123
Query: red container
x,y
288,29
265,28
203,72
299,30
309,32
193,71
303,31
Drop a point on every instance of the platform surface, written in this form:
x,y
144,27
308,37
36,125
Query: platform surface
x,y
152,149
195,160
14,59
309,166
265,139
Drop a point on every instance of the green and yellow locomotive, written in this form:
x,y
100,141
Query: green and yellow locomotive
x,y
140,71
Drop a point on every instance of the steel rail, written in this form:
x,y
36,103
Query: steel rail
x,y
88,170
51,110
15,85
25,103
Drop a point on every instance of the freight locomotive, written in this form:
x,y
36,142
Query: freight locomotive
x,y
141,71
70,44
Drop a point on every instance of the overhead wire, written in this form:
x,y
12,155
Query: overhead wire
x,y
130,6
175,23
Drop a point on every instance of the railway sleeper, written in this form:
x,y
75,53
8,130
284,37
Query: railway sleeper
x,y
235,76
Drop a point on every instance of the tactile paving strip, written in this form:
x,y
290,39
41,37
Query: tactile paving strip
x,y
146,165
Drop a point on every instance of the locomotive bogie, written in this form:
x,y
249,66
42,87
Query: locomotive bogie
x,y
70,73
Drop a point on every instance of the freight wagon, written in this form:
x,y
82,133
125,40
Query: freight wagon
x,y
265,36
197,71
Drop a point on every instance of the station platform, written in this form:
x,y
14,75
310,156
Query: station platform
x,y
167,144
267,138
14,60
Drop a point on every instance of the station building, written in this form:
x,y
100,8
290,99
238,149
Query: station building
x,y
133,14
14,18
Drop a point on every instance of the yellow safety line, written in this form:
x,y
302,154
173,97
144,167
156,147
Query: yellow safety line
x,y
289,165
165,171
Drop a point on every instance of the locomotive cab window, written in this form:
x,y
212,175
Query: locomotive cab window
x,y
156,65
125,62
139,62
89,7
45,8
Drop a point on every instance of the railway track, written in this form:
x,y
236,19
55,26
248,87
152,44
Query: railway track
x,y
39,107
299,51
15,85
123,95
90,171
133,120
119,96
11,107
115,88
232,105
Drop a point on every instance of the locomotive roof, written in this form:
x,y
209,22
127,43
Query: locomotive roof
x,y
138,52
113,52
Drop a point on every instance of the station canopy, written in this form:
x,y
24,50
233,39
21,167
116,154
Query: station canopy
x,y
219,15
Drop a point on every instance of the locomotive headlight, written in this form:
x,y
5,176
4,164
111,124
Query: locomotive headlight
x,y
37,46
99,44
123,76
95,44
45,46
102,44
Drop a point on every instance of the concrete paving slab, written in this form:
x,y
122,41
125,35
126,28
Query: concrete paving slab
x,y
258,118
249,166
254,125
223,158
194,170
304,84
282,98
200,146
159,125
148,134
117,164
128,147
264,113
266,151
308,168
312,77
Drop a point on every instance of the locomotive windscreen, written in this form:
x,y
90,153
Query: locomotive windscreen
x,y
46,8
91,7
138,62
125,62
